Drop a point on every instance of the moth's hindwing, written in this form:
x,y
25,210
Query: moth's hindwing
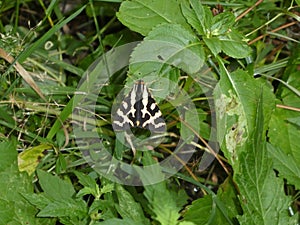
x,y
139,109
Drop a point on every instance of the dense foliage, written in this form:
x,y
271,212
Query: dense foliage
x,y
224,74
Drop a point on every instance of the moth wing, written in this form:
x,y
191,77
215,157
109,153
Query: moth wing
x,y
120,118
152,118
139,109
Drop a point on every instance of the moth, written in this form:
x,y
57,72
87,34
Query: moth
x,y
139,109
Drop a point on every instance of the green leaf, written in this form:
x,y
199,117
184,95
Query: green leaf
x,y
67,208
284,134
217,31
8,155
280,130
228,195
85,180
128,207
295,121
107,188
30,158
59,200
222,23
61,164
14,209
167,44
60,138
234,46
207,208
235,100
197,16
90,185
284,131
38,200
168,212
156,194
285,164
54,187
6,211
262,194
105,207
191,121
142,15
214,44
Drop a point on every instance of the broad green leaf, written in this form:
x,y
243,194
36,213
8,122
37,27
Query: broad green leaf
x,y
235,101
217,31
54,187
295,121
8,155
284,131
168,44
143,15
262,194
30,158
85,180
198,16
285,164
90,185
14,209
105,207
214,44
168,212
179,47
39,200
202,20
222,23
156,194
234,46
6,211
228,195
58,197
207,208
285,134
67,208
128,207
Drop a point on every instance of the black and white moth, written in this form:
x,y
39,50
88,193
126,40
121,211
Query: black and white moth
x,y
139,109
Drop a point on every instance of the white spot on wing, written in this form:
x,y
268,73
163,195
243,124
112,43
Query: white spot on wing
x,y
153,105
125,105
145,101
132,100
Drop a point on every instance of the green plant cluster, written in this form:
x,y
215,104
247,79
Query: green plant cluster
x,y
250,54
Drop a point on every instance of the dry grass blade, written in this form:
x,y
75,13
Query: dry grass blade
x,y
24,74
